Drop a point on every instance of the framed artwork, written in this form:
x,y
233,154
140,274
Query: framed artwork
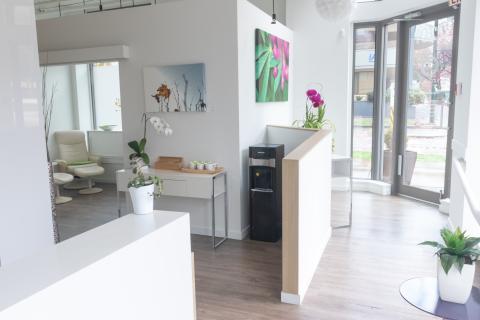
x,y
176,88
271,67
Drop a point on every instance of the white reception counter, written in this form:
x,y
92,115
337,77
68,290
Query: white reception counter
x,y
136,267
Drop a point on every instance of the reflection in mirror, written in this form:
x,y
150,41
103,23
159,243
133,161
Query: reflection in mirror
x,y
85,143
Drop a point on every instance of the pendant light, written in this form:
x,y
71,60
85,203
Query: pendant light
x,y
274,15
334,10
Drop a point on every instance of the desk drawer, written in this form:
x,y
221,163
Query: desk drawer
x,y
177,188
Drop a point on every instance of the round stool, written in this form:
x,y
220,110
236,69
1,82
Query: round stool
x,y
60,179
87,173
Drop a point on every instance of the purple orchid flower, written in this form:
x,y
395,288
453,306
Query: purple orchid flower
x,y
311,93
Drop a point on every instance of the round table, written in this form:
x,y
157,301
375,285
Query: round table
x,y
422,293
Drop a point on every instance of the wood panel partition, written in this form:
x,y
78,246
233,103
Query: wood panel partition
x,y
306,213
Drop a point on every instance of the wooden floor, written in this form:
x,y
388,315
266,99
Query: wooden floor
x,y
86,212
358,276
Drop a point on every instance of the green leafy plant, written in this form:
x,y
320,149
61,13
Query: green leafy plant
x,y
315,109
139,148
160,126
457,250
141,180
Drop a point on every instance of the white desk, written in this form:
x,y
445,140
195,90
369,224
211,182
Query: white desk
x,y
135,267
187,185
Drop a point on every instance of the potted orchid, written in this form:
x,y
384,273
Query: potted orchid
x,y
315,108
160,126
142,188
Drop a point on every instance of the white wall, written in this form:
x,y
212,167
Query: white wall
x,y
254,117
172,33
322,55
467,130
25,207
63,114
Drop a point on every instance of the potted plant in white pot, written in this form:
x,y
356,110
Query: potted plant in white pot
x,y
143,189
139,156
456,264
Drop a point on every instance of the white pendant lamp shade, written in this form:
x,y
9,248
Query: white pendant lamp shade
x,y
334,9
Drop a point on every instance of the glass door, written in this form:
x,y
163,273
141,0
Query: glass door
x,y
424,138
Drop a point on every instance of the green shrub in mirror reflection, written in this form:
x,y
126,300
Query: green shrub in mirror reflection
x,y
457,249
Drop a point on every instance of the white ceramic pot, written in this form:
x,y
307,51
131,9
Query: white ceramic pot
x,y
455,287
142,199
211,166
200,166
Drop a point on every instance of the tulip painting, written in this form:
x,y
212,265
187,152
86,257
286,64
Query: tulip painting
x,y
271,67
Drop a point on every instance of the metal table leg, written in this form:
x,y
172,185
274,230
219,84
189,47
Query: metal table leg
x,y
214,243
119,205
350,214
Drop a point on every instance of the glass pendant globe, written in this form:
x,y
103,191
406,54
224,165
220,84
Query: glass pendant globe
x,y
334,9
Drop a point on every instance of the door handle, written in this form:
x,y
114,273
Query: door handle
x,y
400,165
262,190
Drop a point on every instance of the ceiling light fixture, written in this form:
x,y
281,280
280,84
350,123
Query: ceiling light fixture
x,y
334,9
274,15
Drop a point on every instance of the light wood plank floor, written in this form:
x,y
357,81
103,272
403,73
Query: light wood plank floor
x,y
358,276
86,212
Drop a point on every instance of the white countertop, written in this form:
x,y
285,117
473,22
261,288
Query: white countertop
x,y
26,277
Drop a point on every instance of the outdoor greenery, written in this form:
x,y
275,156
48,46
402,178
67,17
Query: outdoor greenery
x,y
457,250
367,155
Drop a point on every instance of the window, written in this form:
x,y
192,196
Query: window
x,y
363,102
388,106
106,96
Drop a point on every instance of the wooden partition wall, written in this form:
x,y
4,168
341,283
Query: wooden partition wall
x,y
306,213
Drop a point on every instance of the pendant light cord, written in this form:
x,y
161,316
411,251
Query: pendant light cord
x,y
274,15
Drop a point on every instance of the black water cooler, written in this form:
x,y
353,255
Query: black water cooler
x,y
266,192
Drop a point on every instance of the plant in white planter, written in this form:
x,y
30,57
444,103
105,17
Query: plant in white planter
x,y
161,127
456,264
143,190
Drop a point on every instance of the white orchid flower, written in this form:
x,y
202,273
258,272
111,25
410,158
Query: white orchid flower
x,y
161,126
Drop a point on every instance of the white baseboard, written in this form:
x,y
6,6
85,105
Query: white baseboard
x,y
245,232
444,206
372,186
340,184
291,298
